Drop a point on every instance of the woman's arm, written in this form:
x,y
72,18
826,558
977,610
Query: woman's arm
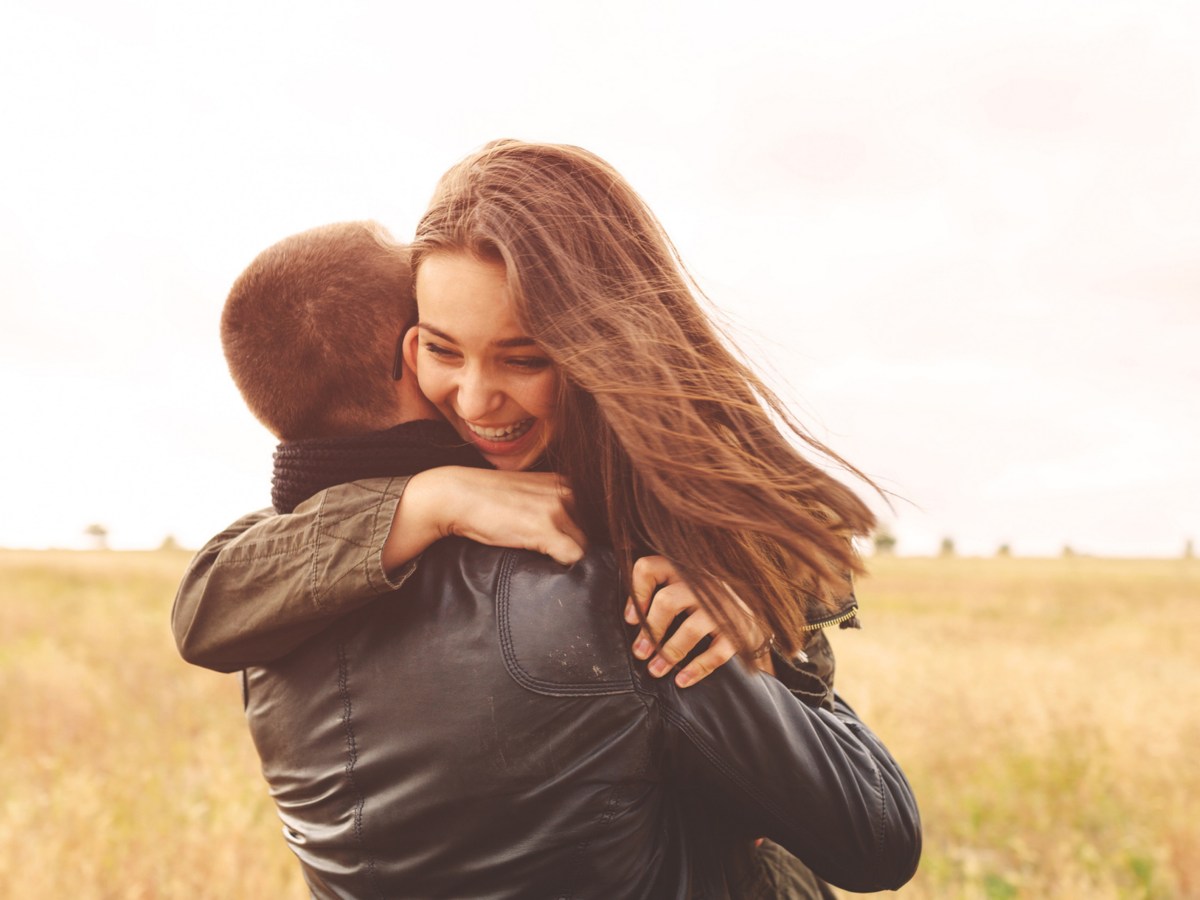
x,y
269,582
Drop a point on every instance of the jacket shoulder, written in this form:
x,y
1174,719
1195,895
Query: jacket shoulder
x,y
561,629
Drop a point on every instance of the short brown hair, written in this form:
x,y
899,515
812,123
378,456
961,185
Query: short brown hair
x,y
310,330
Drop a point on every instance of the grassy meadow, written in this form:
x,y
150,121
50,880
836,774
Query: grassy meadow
x,y
1045,711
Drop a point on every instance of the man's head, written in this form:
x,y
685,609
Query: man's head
x,y
310,332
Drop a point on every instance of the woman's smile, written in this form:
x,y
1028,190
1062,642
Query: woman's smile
x,y
502,435
513,447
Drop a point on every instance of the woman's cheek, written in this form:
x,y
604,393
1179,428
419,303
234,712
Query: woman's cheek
x,y
431,386
547,395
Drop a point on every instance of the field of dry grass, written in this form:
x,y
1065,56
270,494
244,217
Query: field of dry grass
x,y
1045,711
124,772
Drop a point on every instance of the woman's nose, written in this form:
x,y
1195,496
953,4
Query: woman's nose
x,y
476,395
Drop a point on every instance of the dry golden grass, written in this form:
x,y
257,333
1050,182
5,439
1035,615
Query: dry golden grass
x,y
124,772
1044,710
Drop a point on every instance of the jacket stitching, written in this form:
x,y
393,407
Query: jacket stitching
x,y
881,834
322,526
351,761
316,556
373,558
249,557
648,698
375,520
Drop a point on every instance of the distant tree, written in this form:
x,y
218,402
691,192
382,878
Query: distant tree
x,y
947,548
169,543
884,541
99,535
1004,551
1068,552
1189,550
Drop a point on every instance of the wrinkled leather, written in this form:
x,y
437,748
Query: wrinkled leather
x,y
484,732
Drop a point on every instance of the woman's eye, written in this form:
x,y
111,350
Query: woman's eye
x,y
438,350
530,363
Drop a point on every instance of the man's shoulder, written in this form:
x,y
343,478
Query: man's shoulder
x,y
560,627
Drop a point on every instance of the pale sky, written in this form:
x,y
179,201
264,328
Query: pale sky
x,y
964,238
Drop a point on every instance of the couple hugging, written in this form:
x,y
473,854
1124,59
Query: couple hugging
x,y
528,508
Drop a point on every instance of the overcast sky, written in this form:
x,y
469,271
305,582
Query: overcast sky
x,y
964,238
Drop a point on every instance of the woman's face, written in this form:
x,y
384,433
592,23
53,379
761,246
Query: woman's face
x,y
476,365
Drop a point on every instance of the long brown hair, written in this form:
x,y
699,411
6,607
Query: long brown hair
x,y
668,439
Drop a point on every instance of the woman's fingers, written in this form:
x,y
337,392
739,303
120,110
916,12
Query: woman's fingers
x,y
691,631
571,541
541,521
706,663
668,603
566,548
649,574
662,599
528,510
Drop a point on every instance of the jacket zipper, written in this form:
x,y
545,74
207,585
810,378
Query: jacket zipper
x,y
837,619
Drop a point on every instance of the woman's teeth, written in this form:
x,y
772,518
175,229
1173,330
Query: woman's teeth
x,y
501,435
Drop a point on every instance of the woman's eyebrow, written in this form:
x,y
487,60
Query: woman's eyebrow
x,y
436,332
505,343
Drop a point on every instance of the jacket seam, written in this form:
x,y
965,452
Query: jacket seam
x,y
881,833
382,523
360,800
720,764
250,556
316,556
373,541
645,695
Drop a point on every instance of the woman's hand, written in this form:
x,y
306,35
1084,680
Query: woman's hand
x,y
526,510
662,595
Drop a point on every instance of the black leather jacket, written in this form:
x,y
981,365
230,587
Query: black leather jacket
x,y
485,732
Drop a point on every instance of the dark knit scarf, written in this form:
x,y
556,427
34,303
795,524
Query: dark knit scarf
x,y
302,468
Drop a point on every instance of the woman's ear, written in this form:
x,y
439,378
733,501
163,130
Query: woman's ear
x,y
411,338
409,399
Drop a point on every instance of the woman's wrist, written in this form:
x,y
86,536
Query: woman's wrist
x,y
763,656
419,519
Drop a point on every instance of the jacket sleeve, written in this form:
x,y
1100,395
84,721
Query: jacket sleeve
x,y
269,582
814,780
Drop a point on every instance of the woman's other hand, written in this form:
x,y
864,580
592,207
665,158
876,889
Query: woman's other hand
x,y
662,596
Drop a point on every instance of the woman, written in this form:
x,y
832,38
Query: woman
x,y
667,439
